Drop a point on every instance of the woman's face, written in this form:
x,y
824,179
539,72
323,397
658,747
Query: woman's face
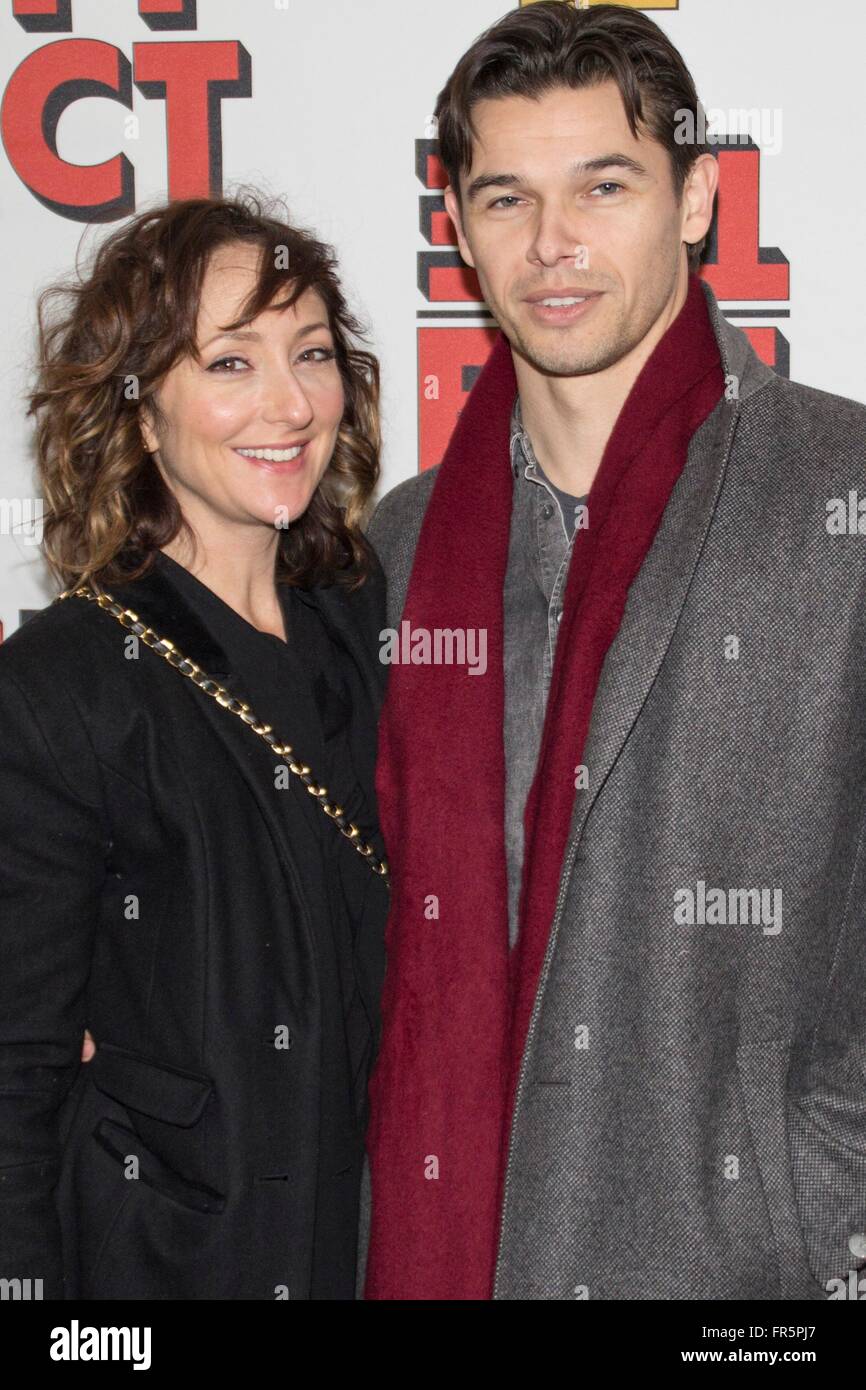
x,y
251,427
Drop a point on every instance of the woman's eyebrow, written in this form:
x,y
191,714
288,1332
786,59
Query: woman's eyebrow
x,y
246,335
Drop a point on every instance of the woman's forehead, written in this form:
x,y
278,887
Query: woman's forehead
x,y
227,287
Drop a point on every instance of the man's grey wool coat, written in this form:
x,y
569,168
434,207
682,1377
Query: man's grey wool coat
x,y
691,1116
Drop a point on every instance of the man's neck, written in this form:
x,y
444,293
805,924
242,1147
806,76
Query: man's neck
x,y
570,419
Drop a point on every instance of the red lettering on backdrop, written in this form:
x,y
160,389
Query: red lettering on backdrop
x,y
37,94
193,78
736,267
168,14
55,16
443,276
449,359
43,16
772,347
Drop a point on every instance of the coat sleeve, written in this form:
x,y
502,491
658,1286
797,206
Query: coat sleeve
x,y
53,847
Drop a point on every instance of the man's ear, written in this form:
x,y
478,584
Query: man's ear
x,y
699,194
453,209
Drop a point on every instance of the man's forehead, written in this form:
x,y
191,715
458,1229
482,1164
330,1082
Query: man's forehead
x,y
565,132
585,114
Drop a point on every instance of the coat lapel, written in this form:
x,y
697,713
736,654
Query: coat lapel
x,y
352,621
658,594
159,604
356,621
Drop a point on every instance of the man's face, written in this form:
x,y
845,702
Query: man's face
x,y
562,201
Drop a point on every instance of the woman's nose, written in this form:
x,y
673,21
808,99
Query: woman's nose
x,y
285,399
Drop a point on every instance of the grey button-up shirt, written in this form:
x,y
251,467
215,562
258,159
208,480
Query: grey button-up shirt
x,y
540,545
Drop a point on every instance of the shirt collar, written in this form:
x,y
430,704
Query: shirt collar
x,y
522,455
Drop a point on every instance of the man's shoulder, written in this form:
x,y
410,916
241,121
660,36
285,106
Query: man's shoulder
x,y
394,530
404,504
846,416
396,523
811,442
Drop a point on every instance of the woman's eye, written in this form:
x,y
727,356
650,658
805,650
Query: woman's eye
x,y
223,362
327,354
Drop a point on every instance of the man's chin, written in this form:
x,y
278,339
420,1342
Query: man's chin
x,y
567,359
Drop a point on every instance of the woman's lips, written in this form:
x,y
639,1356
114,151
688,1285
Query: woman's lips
x,y
271,466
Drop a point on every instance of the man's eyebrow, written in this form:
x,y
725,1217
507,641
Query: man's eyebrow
x,y
578,170
249,335
609,161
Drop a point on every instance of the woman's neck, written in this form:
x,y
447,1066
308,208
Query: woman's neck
x,y
240,573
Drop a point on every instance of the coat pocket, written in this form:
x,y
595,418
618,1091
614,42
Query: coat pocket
x,y
814,1179
146,1230
125,1146
763,1071
829,1177
150,1088
164,1106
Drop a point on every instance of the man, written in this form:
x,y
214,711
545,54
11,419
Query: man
x,y
624,1051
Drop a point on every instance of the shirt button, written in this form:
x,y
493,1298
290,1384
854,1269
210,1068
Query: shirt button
x,y
547,512
857,1245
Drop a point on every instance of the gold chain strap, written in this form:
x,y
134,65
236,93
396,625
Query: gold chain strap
x,y
163,647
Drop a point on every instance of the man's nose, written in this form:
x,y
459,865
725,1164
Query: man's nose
x,y
559,236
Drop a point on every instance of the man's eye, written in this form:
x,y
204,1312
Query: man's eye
x,y
617,187
506,198
223,362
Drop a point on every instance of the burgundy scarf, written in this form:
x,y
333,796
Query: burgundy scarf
x,y
456,1003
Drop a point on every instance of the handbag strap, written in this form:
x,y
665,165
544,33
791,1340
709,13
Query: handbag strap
x,y
167,649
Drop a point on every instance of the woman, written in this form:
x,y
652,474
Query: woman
x,y
207,440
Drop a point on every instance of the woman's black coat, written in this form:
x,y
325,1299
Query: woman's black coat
x,y
122,782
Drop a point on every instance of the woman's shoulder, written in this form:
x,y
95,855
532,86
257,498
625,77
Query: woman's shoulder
x,y
49,671
54,648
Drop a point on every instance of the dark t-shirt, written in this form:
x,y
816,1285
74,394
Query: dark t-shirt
x,y
568,504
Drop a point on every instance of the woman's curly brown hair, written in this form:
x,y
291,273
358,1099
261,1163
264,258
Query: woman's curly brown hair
x,y
123,325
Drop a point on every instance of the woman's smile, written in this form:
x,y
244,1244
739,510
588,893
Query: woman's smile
x,y
276,458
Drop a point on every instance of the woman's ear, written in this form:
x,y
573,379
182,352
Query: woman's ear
x,y
148,433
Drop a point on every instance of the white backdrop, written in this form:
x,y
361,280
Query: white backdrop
x,y
339,94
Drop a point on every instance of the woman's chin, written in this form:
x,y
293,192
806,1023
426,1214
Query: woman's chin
x,y
284,512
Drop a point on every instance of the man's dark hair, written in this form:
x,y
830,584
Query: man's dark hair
x,y
551,44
